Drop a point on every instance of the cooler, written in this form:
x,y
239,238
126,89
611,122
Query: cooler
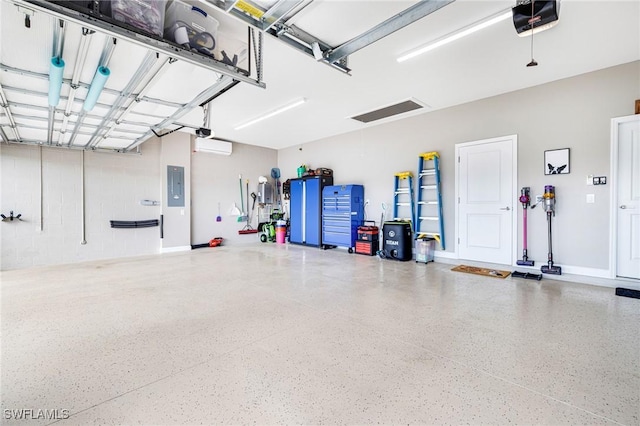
x,y
397,241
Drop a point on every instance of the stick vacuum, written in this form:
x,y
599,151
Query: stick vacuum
x,y
550,207
525,199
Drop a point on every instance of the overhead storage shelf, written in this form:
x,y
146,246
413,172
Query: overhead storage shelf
x,y
105,25
150,85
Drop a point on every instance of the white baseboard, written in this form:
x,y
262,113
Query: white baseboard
x,y
174,249
578,274
445,255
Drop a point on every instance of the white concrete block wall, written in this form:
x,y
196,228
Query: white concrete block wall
x,y
114,186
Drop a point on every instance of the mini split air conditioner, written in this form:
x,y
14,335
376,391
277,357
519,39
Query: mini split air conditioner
x,y
213,146
544,16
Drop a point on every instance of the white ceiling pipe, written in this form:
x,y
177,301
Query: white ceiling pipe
x,y
139,75
55,73
5,104
83,48
139,96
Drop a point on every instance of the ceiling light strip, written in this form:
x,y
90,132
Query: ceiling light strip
x,y
456,35
270,114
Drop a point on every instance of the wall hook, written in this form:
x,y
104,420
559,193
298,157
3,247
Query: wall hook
x,y
11,217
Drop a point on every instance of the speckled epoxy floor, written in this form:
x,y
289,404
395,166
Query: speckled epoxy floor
x,y
277,334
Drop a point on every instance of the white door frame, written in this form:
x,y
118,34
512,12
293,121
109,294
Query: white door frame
x,y
613,193
516,191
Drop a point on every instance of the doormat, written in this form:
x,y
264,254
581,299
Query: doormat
x,y
482,271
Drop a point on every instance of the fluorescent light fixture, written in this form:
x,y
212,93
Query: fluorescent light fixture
x,y
282,109
456,35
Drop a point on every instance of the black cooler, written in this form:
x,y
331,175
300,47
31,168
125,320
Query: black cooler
x,y
397,241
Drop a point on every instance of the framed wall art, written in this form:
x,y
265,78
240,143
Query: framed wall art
x,y
556,162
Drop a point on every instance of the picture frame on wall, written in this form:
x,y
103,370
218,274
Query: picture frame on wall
x,y
556,162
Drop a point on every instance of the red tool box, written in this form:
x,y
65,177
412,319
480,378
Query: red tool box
x,y
368,233
366,247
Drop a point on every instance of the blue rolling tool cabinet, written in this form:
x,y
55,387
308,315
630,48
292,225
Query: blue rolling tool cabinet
x,y
342,213
306,209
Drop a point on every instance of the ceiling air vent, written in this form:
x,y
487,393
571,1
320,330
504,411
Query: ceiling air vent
x,y
388,111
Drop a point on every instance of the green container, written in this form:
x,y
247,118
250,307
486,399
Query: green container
x,y
301,171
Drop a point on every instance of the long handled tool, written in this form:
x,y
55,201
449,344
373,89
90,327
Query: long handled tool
x,y
525,200
248,229
550,208
243,216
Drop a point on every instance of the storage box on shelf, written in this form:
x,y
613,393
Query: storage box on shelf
x,y
146,15
191,27
232,50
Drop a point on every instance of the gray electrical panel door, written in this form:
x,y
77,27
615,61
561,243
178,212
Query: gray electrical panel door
x,y
175,186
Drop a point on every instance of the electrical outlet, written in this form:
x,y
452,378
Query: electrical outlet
x,y
596,180
366,203
603,180
589,179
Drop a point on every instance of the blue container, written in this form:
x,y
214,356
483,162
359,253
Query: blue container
x,y
342,213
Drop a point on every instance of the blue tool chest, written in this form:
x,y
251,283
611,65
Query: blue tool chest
x,y
306,209
342,213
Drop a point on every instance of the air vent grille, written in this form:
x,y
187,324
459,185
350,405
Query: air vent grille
x,y
388,111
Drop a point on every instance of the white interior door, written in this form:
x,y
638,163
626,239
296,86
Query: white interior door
x,y
486,171
628,197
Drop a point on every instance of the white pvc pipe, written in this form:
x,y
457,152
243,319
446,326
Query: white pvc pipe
x,y
41,185
84,234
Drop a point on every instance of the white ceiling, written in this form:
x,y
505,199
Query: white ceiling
x,y
590,35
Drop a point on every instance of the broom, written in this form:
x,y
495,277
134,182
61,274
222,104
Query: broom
x,y
242,216
248,229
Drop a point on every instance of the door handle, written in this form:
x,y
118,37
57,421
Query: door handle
x,y
505,208
623,207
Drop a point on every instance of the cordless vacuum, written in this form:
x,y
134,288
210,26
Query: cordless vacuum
x,y
549,198
525,200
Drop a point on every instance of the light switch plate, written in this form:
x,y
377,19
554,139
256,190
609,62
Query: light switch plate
x,y
591,198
